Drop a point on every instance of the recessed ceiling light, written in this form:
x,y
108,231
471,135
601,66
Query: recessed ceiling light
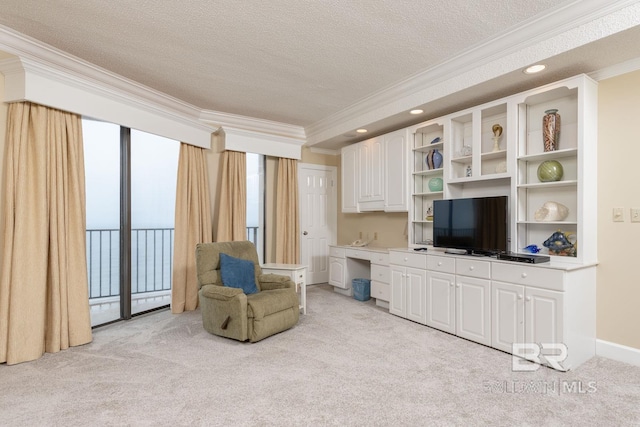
x,y
416,111
361,130
535,69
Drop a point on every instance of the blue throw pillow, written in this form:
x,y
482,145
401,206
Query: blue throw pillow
x,y
238,273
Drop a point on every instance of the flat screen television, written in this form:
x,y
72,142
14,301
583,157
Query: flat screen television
x,y
476,225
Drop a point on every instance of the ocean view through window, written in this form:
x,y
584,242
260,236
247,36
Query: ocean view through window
x,y
150,182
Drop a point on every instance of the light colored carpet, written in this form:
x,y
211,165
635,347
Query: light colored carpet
x,y
345,363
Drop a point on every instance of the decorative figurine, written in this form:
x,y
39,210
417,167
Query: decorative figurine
x,y
533,249
551,211
497,132
561,244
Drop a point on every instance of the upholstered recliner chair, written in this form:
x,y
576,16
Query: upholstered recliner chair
x,y
229,311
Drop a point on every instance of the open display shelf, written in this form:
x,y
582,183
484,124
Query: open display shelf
x,y
496,149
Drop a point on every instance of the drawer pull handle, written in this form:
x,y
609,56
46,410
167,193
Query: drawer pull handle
x,y
519,296
471,268
439,263
406,259
528,298
524,275
458,285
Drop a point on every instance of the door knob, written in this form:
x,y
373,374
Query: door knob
x,y
304,233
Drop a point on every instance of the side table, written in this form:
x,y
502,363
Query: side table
x,y
297,273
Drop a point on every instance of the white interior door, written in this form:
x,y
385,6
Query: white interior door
x,y
318,218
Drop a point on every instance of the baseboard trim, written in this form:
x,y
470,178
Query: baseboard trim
x,y
618,352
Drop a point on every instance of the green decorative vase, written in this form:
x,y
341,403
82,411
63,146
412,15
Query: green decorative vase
x,y
435,184
550,170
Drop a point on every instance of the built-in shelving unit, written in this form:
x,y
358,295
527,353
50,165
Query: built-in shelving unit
x,y
496,149
422,197
575,101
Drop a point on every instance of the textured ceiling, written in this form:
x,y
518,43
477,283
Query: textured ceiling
x,y
289,61
313,63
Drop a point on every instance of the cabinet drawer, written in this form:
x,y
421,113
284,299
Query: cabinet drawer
x,y
380,273
408,259
545,278
336,252
380,290
473,268
358,253
441,263
379,258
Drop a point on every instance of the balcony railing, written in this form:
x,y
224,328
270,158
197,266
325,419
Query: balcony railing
x,y
151,260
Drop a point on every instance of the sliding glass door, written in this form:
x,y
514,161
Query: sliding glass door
x,y
130,187
154,171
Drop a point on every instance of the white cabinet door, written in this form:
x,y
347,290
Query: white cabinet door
x,y
507,315
371,174
397,299
349,176
441,301
473,309
337,272
416,293
396,153
543,316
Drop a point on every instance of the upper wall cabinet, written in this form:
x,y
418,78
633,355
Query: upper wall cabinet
x,y
371,174
374,174
396,152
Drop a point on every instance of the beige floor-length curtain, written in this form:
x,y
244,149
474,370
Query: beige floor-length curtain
x,y
44,302
232,217
192,225
288,221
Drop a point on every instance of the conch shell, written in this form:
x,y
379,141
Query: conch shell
x,y
551,211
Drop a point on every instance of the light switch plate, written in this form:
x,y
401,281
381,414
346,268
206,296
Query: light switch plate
x,y
618,214
635,214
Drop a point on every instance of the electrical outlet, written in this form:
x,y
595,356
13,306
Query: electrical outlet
x,y
375,235
635,214
618,214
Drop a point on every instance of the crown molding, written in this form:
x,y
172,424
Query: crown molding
x,y
326,151
57,64
48,60
616,70
227,120
456,72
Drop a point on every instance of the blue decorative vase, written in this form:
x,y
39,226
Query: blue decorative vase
x,y
434,159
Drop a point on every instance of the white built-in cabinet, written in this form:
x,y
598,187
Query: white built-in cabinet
x,y
375,174
498,303
371,174
459,297
396,153
408,277
490,150
478,163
